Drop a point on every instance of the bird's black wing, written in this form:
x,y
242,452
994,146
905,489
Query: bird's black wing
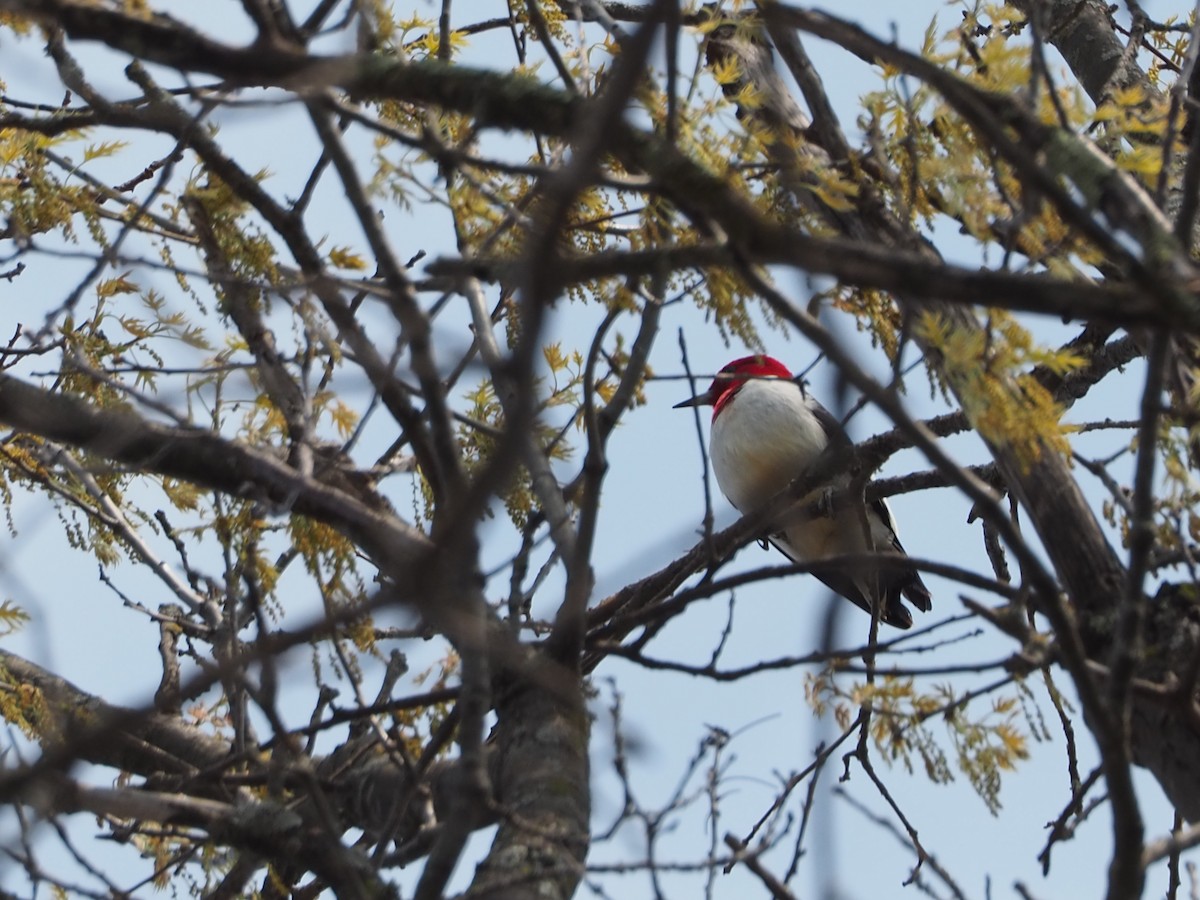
x,y
904,582
830,423
894,612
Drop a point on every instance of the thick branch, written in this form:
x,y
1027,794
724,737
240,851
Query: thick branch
x,y
208,460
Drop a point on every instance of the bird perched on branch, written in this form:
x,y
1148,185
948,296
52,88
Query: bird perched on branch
x,y
766,432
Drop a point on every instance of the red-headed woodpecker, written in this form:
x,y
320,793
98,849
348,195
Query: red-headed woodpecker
x,y
766,431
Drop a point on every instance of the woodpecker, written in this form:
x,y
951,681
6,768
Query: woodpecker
x,y
766,432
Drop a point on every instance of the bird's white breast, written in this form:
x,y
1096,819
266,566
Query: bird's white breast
x,y
762,439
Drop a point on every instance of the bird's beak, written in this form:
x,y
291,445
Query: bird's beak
x,y
704,399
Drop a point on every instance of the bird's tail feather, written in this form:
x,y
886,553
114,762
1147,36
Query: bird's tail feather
x,y
859,587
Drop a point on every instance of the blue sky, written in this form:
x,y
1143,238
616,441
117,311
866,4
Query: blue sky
x,y
651,510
